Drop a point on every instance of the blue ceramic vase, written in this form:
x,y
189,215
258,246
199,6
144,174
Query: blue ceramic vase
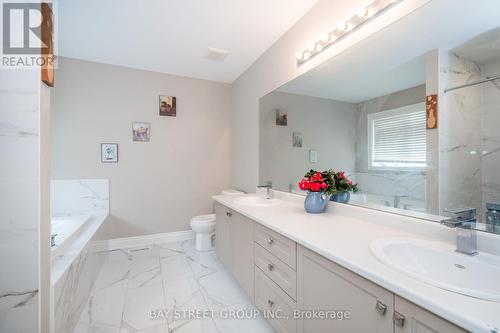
x,y
342,197
316,202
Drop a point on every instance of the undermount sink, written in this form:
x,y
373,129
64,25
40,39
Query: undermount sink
x,y
256,201
439,265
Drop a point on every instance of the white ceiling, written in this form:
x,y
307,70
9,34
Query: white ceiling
x,y
393,59
173,36
482,49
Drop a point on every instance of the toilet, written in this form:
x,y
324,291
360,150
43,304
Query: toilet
x,y
204,227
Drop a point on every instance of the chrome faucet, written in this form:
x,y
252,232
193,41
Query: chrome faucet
x,y
464,220
53,240
397,200
268,188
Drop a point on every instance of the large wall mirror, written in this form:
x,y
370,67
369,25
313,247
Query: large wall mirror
x,y
364,112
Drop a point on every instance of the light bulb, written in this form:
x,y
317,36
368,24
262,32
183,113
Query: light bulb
x,y
348,26
299,56
370,13
311,47
325,38
362,12
341,26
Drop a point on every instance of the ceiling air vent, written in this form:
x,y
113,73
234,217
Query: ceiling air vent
x,y
216,54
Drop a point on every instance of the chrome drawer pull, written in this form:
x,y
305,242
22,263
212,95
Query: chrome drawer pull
x,y
270,267
381,308
270,241
398,319
270,303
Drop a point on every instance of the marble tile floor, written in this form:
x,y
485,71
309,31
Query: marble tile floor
x,y
172,280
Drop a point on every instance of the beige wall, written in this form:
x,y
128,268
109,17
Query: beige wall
x,y
327,126
157,186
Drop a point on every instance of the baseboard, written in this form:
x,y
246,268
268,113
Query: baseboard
x,y
139,241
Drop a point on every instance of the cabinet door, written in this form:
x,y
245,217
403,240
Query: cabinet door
x,y
222,230
324,285
242,254
414,319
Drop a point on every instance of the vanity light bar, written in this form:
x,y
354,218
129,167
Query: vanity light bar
x,y
345,28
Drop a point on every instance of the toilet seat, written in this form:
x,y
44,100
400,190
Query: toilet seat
x,y
204,218
203,224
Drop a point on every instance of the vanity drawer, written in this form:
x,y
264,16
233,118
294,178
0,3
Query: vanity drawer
x,y
269,297
280,246
281,274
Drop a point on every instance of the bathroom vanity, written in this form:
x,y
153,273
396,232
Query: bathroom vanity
x,y
294,263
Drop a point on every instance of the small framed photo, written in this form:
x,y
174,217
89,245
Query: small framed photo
x,y
140,131
297,140
109,153
281,118
168,106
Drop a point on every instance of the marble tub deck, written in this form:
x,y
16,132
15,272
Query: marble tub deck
x,y
170,276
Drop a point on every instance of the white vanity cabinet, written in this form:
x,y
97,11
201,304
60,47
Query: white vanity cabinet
x,y
410,318
278,274
234,245
222,234
324,285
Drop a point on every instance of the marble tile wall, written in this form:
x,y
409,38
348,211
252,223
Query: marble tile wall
x,y
391,184
79,196
19,200
432,87
490,135
460,135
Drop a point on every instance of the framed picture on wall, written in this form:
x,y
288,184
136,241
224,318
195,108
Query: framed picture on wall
x,y
168,106
297,140
109,153
281,118
140,131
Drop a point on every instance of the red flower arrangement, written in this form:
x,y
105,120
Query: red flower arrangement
x,y
342,183
329,182
318,181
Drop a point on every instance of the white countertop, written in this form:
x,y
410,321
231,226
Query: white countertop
x,y
343,234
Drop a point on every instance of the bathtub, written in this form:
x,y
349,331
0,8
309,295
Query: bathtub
x,y
79,210
66,228
387,201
